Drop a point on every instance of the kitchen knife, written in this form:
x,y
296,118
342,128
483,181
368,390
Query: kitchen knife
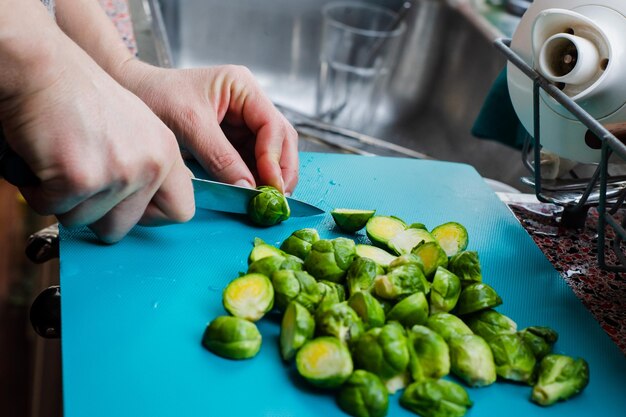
x,y
218,196
210,195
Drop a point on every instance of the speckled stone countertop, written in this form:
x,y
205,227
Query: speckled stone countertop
x,y
572,252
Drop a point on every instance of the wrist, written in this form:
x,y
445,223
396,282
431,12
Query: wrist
x,y
29,58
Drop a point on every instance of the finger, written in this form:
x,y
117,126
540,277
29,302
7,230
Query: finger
x,y
272,130
289,163
217,155
173,202
116,224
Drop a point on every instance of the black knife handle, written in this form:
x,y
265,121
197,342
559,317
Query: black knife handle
x,y
13,168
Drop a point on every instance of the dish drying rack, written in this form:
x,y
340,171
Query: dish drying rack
x,y
606,192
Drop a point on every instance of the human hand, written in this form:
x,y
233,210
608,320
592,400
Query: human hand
x,y
223,118
102,157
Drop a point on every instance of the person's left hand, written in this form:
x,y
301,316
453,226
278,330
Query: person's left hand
x,y
223,118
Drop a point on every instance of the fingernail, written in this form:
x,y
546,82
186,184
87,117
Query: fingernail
x,y
287,194
243,183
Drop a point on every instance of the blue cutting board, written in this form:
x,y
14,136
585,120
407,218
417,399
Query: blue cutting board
x,y
134,313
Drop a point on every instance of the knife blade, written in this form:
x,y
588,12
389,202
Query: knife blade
x,y
218,196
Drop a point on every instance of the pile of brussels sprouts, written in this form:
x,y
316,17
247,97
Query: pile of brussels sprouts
x,y
403,313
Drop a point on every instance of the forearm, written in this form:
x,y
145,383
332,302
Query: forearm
x,y
88,25
29,42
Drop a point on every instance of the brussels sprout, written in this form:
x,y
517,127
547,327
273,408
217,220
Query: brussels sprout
x,y
296,328
330,259
269,264
383,351
299,242
351,220
429,354
249,296
452,237
436,398
444,291
466,266
387,305
361,275
432,257
381,229
447,325
378,255
338,320
400,282
475,297
232,338
295,286
368,308
411,310
471,360
418,226
540,339
406,240
269,207
489,323
559,378
514,359
324,362
332,293
263,250
363,395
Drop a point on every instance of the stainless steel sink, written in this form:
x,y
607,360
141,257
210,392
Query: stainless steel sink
x,y
444,72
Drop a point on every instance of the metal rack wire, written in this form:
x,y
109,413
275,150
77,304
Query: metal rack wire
x,y
609,200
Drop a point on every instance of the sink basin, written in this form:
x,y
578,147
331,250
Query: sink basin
x,y
442,76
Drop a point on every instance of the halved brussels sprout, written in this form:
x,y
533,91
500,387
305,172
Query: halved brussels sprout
x,y
363,395
466,266
270,264
383,351
406,240
432,257
381,229
401,282
351,220
263,250
429,354
338,320
330,259
269,207
452,237
559,378
378,255
361,275
232,338
324,362
436,398
249,296
489,323
471,360
299,242
296,328
297,286
410,311
540,339
368,308
447,325
476,297
513,357
418,226
444,291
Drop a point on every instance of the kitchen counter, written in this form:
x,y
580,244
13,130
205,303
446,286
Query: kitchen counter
x,y
572,252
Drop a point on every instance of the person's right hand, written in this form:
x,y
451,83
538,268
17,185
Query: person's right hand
x,y
103,158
